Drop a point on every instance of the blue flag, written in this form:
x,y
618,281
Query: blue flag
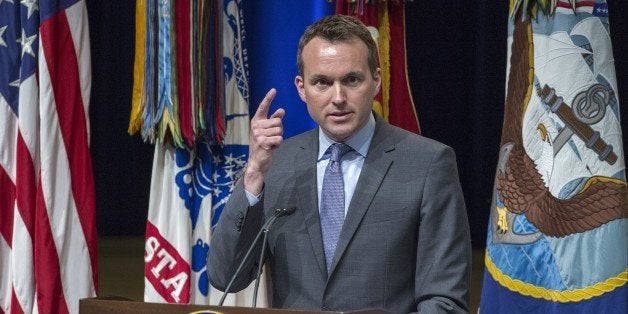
x,y
557,232
273,33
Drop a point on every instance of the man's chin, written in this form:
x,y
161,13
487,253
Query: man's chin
x,y
339,133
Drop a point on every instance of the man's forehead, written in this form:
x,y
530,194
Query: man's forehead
x,y
322,47
321,39
329,51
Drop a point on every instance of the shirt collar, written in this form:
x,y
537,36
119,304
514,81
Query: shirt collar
x,y
359,142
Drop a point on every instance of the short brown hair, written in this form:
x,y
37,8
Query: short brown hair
x,y
338,28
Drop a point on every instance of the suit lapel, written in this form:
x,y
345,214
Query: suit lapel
x,y
374,170
307,195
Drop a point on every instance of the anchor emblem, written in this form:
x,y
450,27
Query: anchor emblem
x,y
589,107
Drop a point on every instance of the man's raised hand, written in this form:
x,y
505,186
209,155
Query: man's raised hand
x,y
266,135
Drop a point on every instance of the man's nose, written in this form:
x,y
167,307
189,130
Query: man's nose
x,y
338,94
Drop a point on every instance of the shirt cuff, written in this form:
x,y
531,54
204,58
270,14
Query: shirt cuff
x,y
253,199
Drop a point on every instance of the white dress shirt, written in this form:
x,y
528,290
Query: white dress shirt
x,y
351,162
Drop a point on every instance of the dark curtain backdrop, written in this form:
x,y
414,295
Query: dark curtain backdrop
x,y
457,65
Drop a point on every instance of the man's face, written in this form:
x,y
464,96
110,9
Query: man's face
x,y
337,86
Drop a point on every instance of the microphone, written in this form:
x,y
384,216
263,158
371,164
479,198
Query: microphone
x,y
279,212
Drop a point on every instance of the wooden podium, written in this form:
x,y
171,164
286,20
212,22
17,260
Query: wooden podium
x,y
119,305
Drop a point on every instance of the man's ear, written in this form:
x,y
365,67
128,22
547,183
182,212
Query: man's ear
x,y
298,83
377,77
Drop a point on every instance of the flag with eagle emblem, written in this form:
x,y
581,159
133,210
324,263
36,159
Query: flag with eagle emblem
x,y
557,237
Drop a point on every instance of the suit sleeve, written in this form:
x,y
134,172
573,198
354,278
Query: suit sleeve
x,y
235,231
444,243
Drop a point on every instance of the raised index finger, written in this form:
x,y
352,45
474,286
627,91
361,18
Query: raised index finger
x,y
262,109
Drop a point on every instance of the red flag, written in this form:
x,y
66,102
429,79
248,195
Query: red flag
x,y
402,111
386,21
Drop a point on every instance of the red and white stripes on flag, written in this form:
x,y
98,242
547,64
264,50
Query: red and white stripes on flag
x,y
566,6
48,238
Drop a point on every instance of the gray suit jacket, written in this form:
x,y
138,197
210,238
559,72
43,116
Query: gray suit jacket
x,y
404,246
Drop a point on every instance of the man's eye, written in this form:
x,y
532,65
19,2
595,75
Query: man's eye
x,y
353,80
321,83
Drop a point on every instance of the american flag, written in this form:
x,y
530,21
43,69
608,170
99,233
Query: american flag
x,y
47,210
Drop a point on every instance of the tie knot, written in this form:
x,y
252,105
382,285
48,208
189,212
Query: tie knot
x,y
338,150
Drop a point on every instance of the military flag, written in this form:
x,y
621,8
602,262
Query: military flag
x,y
195,106
557,238
47,210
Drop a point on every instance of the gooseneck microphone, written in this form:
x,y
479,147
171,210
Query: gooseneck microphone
x,y
279,212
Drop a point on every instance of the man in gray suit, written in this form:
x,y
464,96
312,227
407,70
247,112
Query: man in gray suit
x,y
401,241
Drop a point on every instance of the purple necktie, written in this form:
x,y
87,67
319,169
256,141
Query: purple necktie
x,y
333,201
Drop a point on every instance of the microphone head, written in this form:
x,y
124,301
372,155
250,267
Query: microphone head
x,y
284,211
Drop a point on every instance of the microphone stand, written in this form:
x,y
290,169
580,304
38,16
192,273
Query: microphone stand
x,y
279,212
261,261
